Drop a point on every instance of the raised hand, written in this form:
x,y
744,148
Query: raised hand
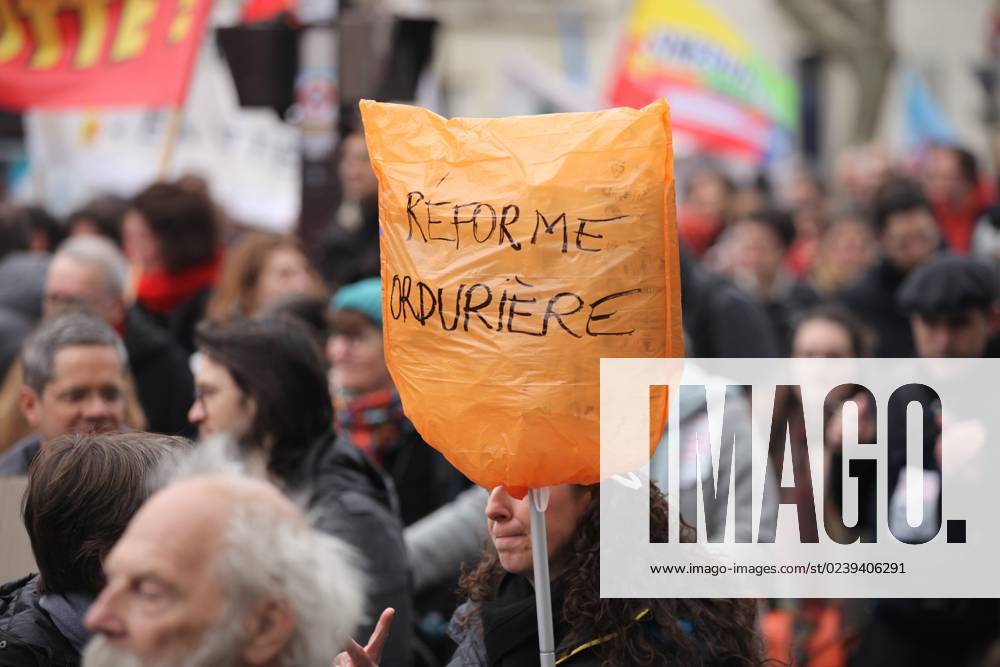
x,y
371,653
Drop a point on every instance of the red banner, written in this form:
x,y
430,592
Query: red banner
x,y
65,54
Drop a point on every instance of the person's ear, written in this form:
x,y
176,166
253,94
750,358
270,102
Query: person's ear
x,y
30,404
269,628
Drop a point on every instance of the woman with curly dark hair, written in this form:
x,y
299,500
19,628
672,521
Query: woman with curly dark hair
x,y
497,625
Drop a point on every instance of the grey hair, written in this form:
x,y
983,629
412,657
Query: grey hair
x,y
221,454
214,455
39,351
269,555
102,253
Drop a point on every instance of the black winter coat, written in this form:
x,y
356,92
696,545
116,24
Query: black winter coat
x,y
873,299
423,478
162,374
356,502
180,323
720,319
28,637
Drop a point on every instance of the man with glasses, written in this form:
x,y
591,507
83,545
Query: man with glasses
x,y
89,274
73,382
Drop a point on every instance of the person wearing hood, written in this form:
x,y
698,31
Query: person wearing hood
x,y
73,522
262,382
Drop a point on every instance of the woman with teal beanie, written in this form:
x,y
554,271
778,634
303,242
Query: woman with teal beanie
x,y
368,407
369,411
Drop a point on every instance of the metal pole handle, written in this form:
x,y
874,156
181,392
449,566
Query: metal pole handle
x,y
539,499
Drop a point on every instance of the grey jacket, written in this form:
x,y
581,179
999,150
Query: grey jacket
x,y
354,501
691,411
471,651
17,459
443,540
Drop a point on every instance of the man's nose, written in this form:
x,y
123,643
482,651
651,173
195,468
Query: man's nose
x,y
102,617
98,407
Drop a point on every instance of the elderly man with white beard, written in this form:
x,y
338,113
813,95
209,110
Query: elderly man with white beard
x,y
223,570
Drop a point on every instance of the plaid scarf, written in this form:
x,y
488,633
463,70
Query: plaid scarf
x,y
375,421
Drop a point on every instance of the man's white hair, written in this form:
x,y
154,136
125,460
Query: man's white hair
x,y
271,555
214,455
268,556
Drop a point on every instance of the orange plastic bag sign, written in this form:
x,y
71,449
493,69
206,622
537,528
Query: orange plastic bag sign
x,y
517,252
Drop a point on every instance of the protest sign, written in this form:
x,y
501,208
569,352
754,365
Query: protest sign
x,y
516,253
249,156
97,53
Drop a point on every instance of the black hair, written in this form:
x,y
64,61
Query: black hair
x,y
276,362
948,285
778,221
968,165
105,213
310,310
15,232
42,222
183,220
862,337
898,196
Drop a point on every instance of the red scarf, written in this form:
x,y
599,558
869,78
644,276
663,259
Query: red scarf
x,y
160,292
958,222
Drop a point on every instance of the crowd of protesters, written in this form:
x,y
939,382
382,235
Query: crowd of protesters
x,y
887,259
312,519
